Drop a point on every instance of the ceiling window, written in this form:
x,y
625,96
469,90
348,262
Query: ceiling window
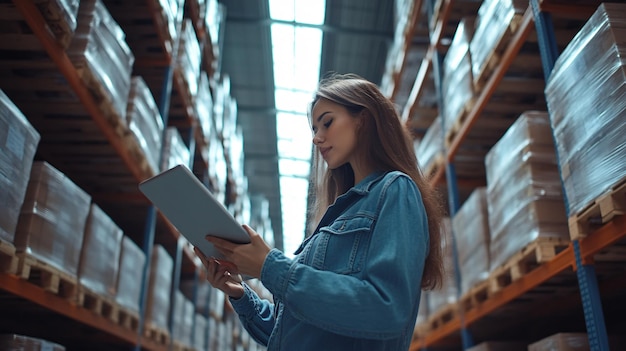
x,y
296,49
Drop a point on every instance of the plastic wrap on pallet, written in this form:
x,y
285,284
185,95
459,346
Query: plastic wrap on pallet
x,y
159,286
524,195
221,88
562,342
492,23
214,20
100,255
189,57
178,314
431,146
218,172
175,152
500,346
18,144
187,322
60,17
216,303
171,12
132,261
471,231
145,121
204,106
200,332
52,220
586,96
15,342
99,50
440,298
457,82
202,290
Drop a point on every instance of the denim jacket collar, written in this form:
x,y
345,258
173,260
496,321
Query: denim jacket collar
x,y
343,201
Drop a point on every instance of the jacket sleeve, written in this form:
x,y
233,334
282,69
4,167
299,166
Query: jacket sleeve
x,y
256,315
378,306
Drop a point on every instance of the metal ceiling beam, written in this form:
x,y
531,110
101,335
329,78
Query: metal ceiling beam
x,y
383,35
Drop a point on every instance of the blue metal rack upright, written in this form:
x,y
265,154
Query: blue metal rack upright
x,y
586,274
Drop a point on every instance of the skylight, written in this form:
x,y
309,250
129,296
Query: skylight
x,y
296,49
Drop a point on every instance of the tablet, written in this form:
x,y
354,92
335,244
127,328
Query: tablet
x,y
192,209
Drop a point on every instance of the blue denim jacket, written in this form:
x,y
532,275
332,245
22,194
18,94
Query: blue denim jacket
x,y
355,283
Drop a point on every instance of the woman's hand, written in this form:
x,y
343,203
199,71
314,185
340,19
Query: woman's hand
x,y
222,275
247,258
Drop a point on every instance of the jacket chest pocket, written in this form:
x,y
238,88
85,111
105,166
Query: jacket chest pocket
x,y
342,246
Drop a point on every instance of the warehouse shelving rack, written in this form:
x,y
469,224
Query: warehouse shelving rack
x,y
578,257
119,195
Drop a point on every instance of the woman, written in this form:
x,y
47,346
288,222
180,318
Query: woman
x,y
355,283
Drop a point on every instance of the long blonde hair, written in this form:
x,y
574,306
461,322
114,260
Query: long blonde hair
x,y
387,145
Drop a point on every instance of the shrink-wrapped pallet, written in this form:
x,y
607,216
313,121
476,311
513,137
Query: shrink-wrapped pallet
x,y
15,342
52,219
171,12
562,342
100,254
216,303
132,261
188,59
447,294
103,59
200,332
586,96
159,287
471,231
524,196
60,16
204,107
179,318
202,290
430,149
496,20
18,144
457,83
175,152
217,171
145,121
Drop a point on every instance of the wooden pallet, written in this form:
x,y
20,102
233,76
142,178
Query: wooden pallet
x,y
179,346
434,166
494,57
98,304
478,294
444,315
157,334
8,260
128,319
530,257
459,121
599,211
47,277
57,20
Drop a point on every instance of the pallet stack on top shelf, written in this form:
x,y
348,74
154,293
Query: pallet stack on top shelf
x,y
534,284
52,76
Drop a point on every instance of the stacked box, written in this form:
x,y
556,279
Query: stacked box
x,y
216,303
202,291
562,342
457,82
100,255
100,54
171,12
471,231
182,318
204,107
52,220
586,96
132,262
145,121
18,144
214,21
189,58
14,342
430,148
200,332
493,23
447,295
524,195
217,171
159,287
175,152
